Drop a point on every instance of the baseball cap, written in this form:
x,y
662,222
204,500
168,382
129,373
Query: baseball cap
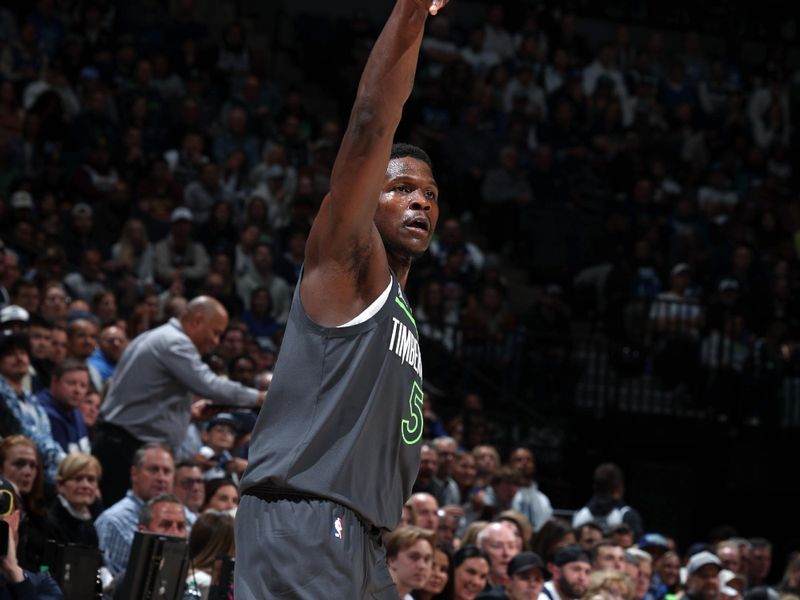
x,y
21,199
570,554
14,313
702,559
181,214
653,540
525,561
726,576
224,419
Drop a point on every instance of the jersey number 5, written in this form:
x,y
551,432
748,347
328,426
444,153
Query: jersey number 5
x,y
411,429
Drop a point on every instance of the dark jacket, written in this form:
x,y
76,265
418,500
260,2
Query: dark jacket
x,y
62,527
36,586
66,424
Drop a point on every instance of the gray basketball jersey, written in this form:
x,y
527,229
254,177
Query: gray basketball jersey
x,y
343,416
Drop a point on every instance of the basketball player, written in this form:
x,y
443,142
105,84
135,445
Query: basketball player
x,y
335,450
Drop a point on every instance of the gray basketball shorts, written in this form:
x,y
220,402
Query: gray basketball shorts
x,y
307,549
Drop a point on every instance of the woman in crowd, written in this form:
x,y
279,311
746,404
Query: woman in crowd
x,y
21,465
554,535
471,572
211,538
221,495
440,582
667,579
71,516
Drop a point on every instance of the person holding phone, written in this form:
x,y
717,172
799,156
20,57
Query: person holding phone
x,y
17,583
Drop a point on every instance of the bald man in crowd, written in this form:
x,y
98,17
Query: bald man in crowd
x,y
150,399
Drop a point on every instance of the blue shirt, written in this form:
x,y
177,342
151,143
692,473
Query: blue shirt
x,y
104,366
115,529
35,425
67,424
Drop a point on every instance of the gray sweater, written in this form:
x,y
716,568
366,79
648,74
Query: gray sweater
x,y
150,395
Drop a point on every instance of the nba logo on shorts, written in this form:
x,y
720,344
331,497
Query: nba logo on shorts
x,y
338,528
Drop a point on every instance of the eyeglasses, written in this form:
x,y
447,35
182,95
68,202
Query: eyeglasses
x,y
6,503
21,463
189,483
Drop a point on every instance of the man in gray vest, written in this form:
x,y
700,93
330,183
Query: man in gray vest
x,y
335,451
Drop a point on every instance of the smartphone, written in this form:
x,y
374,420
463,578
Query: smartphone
x,y
3,537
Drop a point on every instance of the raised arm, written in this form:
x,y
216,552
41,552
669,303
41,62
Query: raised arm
x,y
345,261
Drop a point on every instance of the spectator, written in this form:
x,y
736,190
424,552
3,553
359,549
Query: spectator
x,y
500,546
426,477
70,517
471,572
211,538
21,465
667,579
177,255
760,562
570,569
189,487
163,514
607,506
170,355
644,572
588,534
409,554
89,408
219,439
529,500
89,280
111,344
82,342
54,303
202,194
526,576
608,556
263,275
151,475
25,414
554,535
702,577
439,583
68,387
222,495
19,581
426,511
40,334
446,448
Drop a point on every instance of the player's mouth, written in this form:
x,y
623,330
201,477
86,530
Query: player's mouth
x,y
418,223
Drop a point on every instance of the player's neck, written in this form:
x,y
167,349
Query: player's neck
x,y
400,265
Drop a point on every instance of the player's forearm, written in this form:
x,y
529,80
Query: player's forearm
x,y
388,76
